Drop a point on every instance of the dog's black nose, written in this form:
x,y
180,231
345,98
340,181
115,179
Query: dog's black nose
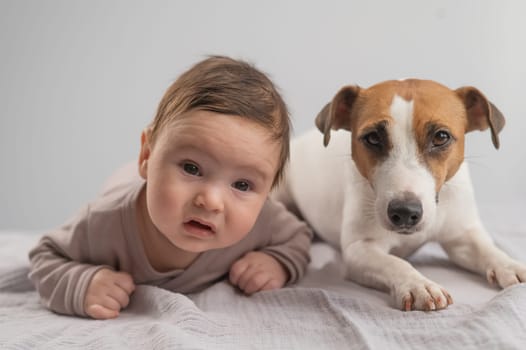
x,y
404,214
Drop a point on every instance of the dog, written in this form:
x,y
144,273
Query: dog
x,y
395,182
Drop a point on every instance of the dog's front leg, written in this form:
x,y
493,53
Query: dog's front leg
x,y
475,251
370,264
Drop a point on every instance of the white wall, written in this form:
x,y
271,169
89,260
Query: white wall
x,y
80,79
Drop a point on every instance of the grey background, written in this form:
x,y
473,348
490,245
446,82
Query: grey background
x,y
79,80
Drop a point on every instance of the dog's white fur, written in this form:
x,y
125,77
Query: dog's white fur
x,y
347,198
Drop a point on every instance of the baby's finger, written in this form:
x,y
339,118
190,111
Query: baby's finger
x,y
100,312
254,282
120,295
244,279
110,302
237,270
125,281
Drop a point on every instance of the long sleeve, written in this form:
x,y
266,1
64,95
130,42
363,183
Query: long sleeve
x,y
59,269
289,238
101,235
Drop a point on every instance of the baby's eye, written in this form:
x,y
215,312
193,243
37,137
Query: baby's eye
x,y
241,186
191,169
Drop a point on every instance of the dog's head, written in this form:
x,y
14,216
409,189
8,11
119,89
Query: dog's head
x,y
407,141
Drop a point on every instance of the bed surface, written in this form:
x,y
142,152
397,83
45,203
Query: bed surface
x,y
322,312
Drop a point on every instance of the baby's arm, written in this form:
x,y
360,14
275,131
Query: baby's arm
x,y
282,259
62,273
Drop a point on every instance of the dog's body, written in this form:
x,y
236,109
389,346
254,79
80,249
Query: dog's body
x,y
405,184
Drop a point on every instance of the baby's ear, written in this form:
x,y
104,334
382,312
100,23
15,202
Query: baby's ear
x,y
144,154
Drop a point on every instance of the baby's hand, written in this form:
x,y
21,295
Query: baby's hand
x,y
257,271
108,293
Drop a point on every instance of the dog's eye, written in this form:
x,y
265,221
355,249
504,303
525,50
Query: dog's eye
x,y
441,138
373,139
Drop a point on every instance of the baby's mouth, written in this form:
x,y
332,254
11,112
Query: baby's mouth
x,y
199,228
199,225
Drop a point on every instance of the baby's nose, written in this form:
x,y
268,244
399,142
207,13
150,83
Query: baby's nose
x,y
210,198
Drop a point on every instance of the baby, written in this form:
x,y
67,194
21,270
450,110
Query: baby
x,y
199,209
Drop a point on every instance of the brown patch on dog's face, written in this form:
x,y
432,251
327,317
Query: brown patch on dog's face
x,y
439,125
370,120
371,144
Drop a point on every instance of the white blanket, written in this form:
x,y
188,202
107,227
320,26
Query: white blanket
x,y
322,312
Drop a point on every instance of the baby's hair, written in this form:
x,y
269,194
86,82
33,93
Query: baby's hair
x,y
224,85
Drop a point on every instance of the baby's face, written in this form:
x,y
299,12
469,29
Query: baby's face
x,y
208,176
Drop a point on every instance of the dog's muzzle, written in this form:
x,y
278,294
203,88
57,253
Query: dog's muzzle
x,y
405,214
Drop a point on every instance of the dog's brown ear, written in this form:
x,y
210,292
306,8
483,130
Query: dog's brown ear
x,y
336,114
481,113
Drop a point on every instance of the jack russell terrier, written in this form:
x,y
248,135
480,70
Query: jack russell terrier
x,y
397,181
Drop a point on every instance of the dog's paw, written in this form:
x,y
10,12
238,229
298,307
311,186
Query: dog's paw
x,y
506,274
421,294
